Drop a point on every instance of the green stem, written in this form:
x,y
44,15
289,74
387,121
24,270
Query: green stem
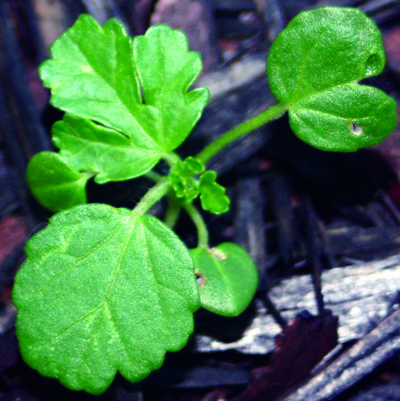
x,y
171,158
151,197
152,175
173,211
213,148
202,232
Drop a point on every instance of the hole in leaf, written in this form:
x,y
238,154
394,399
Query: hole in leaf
x,y
201,281
356,129
372,65
142,95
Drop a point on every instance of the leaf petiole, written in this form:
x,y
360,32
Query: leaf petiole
x,y
152,197
153,176
173,211
200,224
171,158
219,144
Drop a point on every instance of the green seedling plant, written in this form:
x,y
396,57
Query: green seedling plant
x,y
107,289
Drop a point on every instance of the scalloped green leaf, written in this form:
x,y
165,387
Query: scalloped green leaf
x,y
54,183
313,67
227,278
87,146
101,291
166,71
136,87
212,195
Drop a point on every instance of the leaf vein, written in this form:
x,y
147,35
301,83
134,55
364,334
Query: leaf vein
x,y
331,114
131,113
77,260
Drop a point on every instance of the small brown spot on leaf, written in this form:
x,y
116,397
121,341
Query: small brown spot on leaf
x,y
217,253
201,281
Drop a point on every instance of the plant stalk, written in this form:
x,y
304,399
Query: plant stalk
x,y
213,148
171,158
152,175
202,232
173,211
151,197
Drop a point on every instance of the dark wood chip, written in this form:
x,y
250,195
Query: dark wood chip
x,y
381,344
382,392
301,346
249,220
195,18
198,377
9,351
13,232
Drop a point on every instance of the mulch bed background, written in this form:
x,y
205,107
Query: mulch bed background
x,y
320,226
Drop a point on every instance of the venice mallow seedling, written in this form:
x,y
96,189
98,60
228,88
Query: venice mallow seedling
x,y
107,289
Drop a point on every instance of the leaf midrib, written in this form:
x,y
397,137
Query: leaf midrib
x,y
317,93
114,275
135,120
61,185
110,145
304,108
223,274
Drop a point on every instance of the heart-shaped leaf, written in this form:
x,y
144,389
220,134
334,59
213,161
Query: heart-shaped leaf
x,y
101,291
54,183
227,278
313,67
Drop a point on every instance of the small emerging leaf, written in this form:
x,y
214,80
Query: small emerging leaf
x,y
314,66
103,291
54,183
227,278
87,146
212,195
195,166
182,178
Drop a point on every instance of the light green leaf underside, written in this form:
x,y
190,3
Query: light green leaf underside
x,y
54,183
228,278
103,291
87,146
317,60
101,74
